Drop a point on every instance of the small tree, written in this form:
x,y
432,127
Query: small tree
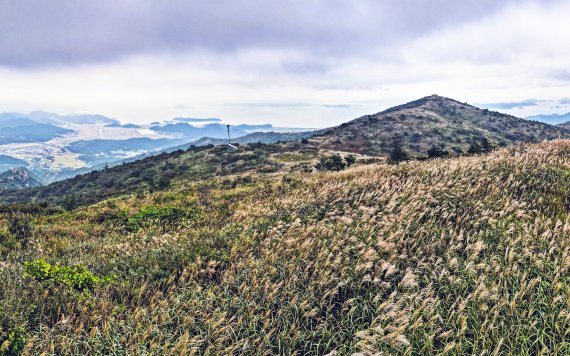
x,y
20,226
398,154
435,152
350,160
331,163
486,146
69,203
474,148
161,182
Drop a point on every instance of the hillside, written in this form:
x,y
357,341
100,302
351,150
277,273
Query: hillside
x,y
446,256
159,171
9,162
262,137
565,125
434,120
194,132
18,178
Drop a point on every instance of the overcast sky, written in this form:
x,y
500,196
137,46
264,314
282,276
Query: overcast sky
x,y
302,63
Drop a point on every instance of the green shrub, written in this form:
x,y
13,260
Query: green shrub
x,y
77,277
19,226
398,154
162,215
13,342
8,242
335,162
350,160
436,152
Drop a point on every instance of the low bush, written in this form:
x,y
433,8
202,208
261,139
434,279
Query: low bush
x,y
12,342
163,216
77,277
335,162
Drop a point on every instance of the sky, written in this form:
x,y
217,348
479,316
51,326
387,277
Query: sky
x,y
292,63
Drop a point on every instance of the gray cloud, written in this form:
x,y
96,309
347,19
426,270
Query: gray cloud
x,y
45,33
338,106
273,105
563,75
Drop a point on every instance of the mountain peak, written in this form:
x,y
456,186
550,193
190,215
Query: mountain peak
x,y
18,178
434,121
433,101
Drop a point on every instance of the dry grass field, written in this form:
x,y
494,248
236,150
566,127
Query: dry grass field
x,y
469,255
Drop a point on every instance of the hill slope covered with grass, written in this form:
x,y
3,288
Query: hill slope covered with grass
x,y
158,172
434,121
456,256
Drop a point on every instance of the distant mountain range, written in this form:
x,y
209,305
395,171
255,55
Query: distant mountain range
x,y
55,119
192,119
125,126
554,119
433,121
9,162
212,130
24,130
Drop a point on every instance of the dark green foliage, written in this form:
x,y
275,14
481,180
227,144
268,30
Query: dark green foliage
x,y
350,160
8,242
481,146
436,152
162,182
475,148
398,154
331,163
13,342
486,145
33,209
19,226
335,162
69,202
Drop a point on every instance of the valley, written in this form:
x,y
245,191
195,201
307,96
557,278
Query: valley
x,y
92,141
53,156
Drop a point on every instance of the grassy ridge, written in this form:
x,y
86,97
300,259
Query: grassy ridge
x,y
156,173
455,256
434,121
